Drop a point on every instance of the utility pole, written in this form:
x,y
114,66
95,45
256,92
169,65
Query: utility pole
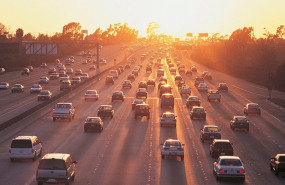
x,y
98,58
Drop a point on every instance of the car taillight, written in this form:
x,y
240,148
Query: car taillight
x,y
33,150
10,150
222,171
241,171
166,148
52,111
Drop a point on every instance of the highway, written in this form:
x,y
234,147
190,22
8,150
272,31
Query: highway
x,y
127,152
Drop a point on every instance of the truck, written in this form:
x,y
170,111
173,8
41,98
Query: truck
x,y
63,111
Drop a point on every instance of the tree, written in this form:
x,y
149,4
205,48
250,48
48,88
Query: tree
x,y
28,37
19,33
244,35
71,31
152,30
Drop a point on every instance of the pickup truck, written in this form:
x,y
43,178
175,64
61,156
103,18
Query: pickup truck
x,y
185,90
277,163
63,111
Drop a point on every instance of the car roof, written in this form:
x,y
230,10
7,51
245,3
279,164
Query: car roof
x,y
229,157
207,126
279,155
252,104
56,156
24,137
221,140
169,140
168,113
239,117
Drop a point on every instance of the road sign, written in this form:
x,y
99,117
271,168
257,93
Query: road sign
x,y
189,34
203,35
36,48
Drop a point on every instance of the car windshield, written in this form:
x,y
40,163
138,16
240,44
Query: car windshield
x,y
193,98
230,162
93,120
223,145
91,92
168,115
106,108
2,83
44,93
36,86
199,79
117,93
198,110
172,144
211,129
18,86
281,159
142,107
64,106
24,143
138,101
240,119
167,96
52,164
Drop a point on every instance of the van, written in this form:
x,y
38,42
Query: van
x,y
114,73
25,147
167,100
56,168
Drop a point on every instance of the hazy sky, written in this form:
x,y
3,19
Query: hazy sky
x,y
173,16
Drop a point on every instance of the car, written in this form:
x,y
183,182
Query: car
x,y
114,73
93,123
63,111
84,76
56,168
202,87
131,77
17,88
78,72
135,72
44,95
188,72
36,88
137,101
109,80
178,78
277,163
185,90
172,70
142,110
52,70
168,119
221,147
4,85
105,111
223,87
160,84
214,95
62,74
26,71
172,147
165,89
91,95
193,101
193,69
204,73
2,70
160,72
118,95
75,80
43,65
239,122
208,76
151,82
127,84
127,66
92,67
198,113
180,84
30,68
162,78
181,70
229,167
65,84
69,71
209,133
43,80
141,93
148,69
252,108
167,100
142,84
198,80
84,62
25,147
53,76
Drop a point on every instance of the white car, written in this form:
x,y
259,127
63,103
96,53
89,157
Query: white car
x,y
84,76
4,85
214,95
202,87
91,95
229,167
36,88
172,147
127,84
168,118
114,73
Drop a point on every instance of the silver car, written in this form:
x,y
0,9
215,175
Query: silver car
x,y
168,119
172,147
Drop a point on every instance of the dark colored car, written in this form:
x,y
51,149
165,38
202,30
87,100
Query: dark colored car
x,y
221,147
66,84
178,78
277,163
180,84
142,110
131,77
109,80
141,93
105,111
151,82
239,122
198,80
118,95
143,84
93,124
160,84
209,133
223,87
17,88
167,100
188,72
137,101
198,113
193,101
44,95
165,89
148,69
26,71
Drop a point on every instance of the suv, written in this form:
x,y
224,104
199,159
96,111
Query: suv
x,y
240,122
164,89
277,163
210,132
142,110
56,168
167,100
198,112
105,111
252,108
118,95
25,147
221,147
109,80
